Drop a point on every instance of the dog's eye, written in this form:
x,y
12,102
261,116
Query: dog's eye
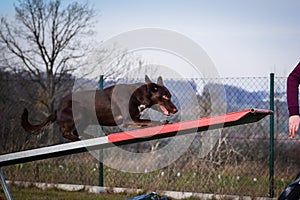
x,y
165,97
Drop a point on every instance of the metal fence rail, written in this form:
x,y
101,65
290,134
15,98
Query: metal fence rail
x,y
234,160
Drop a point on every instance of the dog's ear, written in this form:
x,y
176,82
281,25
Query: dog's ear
x,y
147,79
160,81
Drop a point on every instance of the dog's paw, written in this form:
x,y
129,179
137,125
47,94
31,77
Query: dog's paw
x,y
164,121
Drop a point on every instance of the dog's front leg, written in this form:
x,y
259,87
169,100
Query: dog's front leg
x,y
143,123
146,122
70,136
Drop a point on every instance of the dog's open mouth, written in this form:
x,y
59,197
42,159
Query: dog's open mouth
x,y
165,111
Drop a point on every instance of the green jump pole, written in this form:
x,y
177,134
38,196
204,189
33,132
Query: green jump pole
x,y
271,161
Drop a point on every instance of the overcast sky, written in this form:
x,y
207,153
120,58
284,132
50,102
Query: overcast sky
x,y
242,38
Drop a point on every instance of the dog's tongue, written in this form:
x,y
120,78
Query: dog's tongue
x,y
165,111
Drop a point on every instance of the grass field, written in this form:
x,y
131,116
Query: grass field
x,y
211,182
33,193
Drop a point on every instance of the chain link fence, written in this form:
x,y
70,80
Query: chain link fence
x,y
229,161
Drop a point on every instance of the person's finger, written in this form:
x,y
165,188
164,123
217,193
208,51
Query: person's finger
x,y
296,128
293,129
291,132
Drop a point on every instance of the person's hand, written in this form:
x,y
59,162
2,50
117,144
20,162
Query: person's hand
x,y
294,122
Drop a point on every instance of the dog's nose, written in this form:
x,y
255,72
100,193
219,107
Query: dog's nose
x,y
174,110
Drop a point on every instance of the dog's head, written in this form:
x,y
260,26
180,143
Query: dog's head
x,y
160,97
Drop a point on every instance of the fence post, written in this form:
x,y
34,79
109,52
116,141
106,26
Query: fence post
x,y
101,173
271,161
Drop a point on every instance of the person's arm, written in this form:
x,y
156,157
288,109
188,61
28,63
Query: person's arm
x,y
293,82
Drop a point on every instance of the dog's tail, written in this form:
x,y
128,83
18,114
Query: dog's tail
x,y
35,129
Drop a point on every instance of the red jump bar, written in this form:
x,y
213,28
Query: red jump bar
x,y
192,126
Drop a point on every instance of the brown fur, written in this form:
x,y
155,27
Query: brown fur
x,y
115,105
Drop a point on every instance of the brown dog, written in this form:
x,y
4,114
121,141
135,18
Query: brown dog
x,y
115,105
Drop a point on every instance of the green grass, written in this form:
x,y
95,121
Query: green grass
x,y
33,193
154,181
190,180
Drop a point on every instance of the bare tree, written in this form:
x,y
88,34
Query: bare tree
x,y
46,39
117,64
